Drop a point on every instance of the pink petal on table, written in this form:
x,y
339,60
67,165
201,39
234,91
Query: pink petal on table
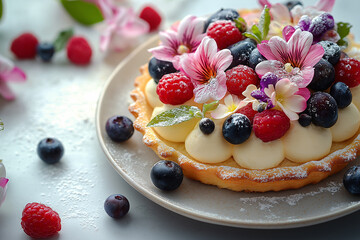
x,y
3,182
15,75
325,5
6,92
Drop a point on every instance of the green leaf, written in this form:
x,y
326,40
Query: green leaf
x,y
1,125
343,29
343,42
1,9
83,12
62,39
210,106
252,36
255,30
264,22
240,23
174,116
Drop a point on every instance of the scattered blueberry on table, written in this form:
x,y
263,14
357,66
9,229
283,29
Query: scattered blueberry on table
x,y
50,150
116,206
45,51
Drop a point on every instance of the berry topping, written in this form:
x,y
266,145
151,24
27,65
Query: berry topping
x,y
24,46
175,89
241,53
236,128
45,51
79,51
248,111
206,126
321,24
323,109
342,94
222,14
238,78
116,206
255,58
158,68
351,180
324,76
50,150
304,119
332,51
270,125
166,175
347,70
225,33
119,128
40,221
291,4
151,16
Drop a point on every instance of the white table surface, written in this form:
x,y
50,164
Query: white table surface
x,y
59,100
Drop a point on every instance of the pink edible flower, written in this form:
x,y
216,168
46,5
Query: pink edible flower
x,y
9,73
206,69
294,59
123,26
177,44
284,96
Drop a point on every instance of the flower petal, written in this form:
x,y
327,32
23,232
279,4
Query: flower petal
x,y
314,55
222,60
273,66
290,114
265,3
6,92
324,5
295,103
285,88
220,112
304,92
299,45
280,13
15,75
279,48
265,50
304,77
191,30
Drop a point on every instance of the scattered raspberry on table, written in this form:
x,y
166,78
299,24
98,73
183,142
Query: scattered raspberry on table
x,y
40,221
24,46
151,16
79,50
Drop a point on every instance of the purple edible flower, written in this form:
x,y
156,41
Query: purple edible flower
x,y
320,25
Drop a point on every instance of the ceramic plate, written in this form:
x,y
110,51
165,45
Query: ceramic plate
x,y
133,161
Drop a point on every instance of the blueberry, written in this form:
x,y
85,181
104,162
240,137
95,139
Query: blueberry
x,y
304,119
236,128
241,53
324,76
166,175
50,150
255,58
116,206
222,14
332,51
291,4
158,68
45,51
323,109
206,126
119,128
351,180
342,94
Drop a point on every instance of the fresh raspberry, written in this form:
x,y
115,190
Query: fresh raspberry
x,y
24,46
239,77
151,16
79,51
248,111
347,70
225,33
40,221
270,125
175,88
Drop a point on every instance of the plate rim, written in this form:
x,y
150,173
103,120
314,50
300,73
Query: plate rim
x,y
186,212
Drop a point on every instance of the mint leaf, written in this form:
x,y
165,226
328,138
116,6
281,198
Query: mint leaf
x,y
174,116
1,125
252,36
343,43
1,9
264,22
240,23
62,39
83,12
343,29
210,106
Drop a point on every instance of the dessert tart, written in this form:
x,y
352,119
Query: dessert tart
x,y
253,100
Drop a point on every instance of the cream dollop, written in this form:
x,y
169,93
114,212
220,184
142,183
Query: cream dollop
x,y
151,95
212,148
256,154
174,133
303,144
347,124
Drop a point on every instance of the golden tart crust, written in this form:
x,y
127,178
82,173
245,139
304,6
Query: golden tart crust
x,y
228,174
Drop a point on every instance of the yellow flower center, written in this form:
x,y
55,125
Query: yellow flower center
x,y
288,67
183,49
231,107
